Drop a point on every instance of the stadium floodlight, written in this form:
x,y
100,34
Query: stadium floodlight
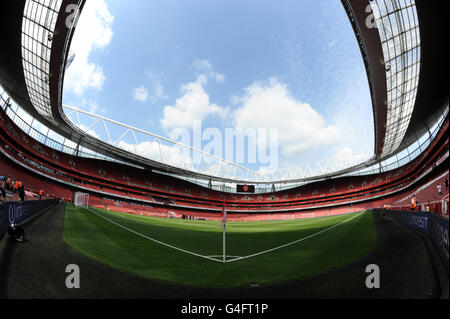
x,y
81,200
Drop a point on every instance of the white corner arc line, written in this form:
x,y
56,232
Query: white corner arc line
x,y
154,240
296,241
220,256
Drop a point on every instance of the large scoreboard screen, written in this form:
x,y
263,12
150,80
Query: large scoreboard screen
x,y
245,188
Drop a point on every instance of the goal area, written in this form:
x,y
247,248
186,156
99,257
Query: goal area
x,y
81,200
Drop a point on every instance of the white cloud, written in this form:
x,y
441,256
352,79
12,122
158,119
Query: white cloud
x,y
140,94
202,79
93,32
194,105
346,153
173,155
300,127
206,67
203,65
90,106
177,156
158,93
90,132
219,77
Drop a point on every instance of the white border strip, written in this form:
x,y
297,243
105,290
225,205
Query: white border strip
x,y
235,258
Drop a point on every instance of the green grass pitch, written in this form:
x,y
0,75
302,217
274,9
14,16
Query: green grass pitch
x,y
122,249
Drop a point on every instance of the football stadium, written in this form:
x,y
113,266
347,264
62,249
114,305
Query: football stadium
x,y
90,216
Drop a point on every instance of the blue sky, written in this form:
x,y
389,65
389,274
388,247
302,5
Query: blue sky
x,y
292,65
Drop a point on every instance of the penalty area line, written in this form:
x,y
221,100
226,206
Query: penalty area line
x,y
294,242
154,240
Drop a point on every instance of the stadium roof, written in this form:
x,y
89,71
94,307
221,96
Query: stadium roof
x,y
405,53
405,58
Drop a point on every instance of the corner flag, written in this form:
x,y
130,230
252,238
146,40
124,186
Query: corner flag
x,y
224,222
224,215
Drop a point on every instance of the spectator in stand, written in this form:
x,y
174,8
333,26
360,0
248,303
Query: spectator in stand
x,y
16,189
439,188
413,202
2,190
446,184
10,185
21,192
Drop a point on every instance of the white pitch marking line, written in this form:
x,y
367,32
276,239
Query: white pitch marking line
x,y
235,258
217,256
152,239
294,242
